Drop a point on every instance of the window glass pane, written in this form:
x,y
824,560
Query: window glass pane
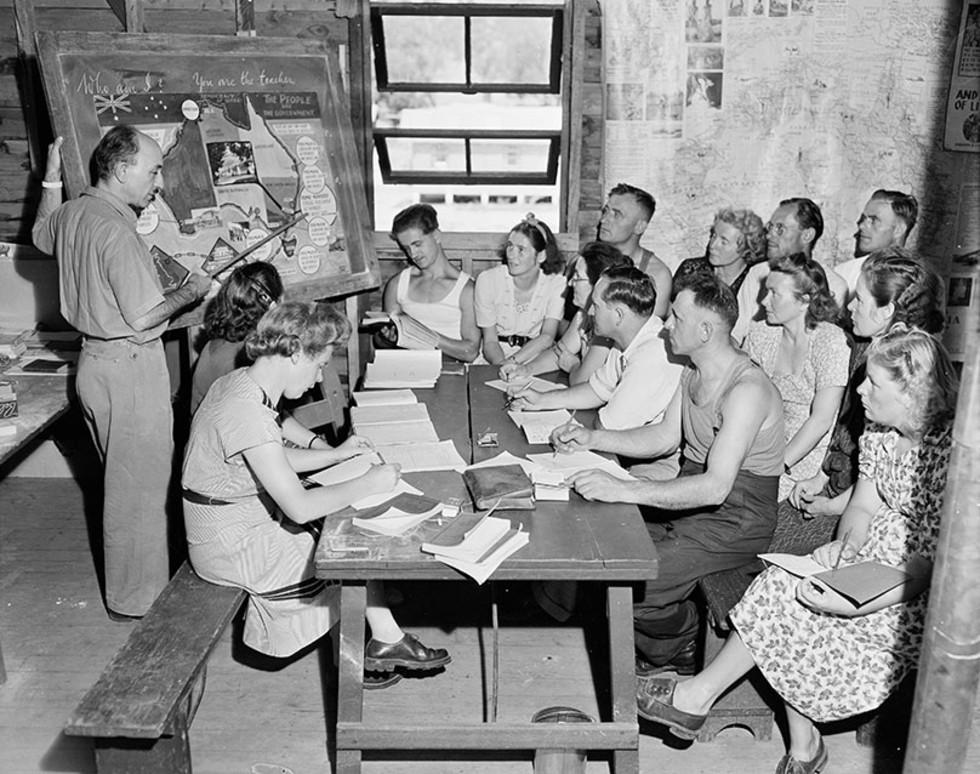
x,y
422,154
422,110
412,56
509,155
511,49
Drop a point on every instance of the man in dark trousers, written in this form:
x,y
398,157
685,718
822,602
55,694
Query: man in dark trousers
x,y
110,292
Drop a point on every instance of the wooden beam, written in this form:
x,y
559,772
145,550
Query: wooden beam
x,y
130,13
245,18
32,99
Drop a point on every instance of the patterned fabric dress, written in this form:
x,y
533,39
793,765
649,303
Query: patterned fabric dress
x,y
242,544
825,366
829,667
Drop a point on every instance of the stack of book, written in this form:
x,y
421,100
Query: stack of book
x,y
476,544
403,368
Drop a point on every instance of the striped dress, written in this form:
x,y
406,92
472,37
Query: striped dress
x,y
248,543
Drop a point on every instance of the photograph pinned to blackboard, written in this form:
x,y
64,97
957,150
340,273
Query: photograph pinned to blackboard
x,y
258,154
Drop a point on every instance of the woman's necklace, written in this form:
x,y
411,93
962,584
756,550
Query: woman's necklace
x,y
522,297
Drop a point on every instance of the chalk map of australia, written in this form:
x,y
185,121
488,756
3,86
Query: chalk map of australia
x,y
237,169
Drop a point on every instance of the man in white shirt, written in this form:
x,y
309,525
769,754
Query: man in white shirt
x,y
639,377
885,222
625,217
795,226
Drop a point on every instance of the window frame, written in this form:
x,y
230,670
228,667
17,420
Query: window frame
x,y
559,73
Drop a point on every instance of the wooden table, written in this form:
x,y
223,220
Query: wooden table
x,y
40,401
604,543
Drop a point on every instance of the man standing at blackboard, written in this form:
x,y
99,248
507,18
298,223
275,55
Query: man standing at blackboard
x,y
110,292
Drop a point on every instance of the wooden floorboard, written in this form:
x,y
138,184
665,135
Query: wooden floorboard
x,y
56,640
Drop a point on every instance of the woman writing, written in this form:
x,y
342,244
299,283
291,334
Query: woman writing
x,y
238,477
578,352
519,305
432,297
805,356
893,286
826,658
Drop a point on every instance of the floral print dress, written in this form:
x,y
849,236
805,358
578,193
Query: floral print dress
x,y
830,667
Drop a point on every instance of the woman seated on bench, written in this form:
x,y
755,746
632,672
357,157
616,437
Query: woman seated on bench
x,y
244,506
519,305
578,352
432,298
826,658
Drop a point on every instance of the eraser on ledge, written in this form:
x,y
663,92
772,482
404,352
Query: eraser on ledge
x,y
450,511
7,429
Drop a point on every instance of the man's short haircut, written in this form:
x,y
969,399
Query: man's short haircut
x,y
599,256
420,216
808,215
629,286
120,144
644,199
713,294
904,205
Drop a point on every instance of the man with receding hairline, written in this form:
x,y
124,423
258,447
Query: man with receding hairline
x,y
110,292
625,216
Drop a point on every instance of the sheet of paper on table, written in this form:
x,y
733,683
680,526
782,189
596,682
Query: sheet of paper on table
x,y
505,458
346,470
534,382
398,433
420,457
537,425
401,513
403,368
384,398
387,414
572,462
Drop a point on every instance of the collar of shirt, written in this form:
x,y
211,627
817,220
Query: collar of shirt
x,y
113,201
649,330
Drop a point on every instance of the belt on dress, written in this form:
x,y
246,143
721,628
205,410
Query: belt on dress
x,y
514,339
199,499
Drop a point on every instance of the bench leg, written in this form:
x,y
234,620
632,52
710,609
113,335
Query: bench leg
x,y
622,671
350,671
166,755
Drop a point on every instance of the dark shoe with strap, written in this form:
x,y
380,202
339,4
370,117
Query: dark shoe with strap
x,y
789,765
408,653
684,663
655,701
122,617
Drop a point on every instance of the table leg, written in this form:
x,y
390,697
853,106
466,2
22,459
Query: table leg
x,y
622,672
350,668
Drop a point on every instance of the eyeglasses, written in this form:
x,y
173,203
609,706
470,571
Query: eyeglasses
x,y
778,228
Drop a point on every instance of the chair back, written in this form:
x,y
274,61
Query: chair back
x,y
330,410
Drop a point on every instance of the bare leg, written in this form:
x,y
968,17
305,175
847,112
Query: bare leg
x,y
698,694
804,739
384,627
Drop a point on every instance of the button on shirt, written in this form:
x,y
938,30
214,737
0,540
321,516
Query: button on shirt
x,y
106,275
637,383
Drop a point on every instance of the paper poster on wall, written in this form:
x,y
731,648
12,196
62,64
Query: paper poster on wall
x,y
258,160
963,107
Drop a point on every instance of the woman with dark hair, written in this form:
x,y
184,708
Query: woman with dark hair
x,y
243,499
893,286
805,355
827,658
248,293
518,305
578,352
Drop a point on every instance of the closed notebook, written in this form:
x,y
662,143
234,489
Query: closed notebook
x,y
502,487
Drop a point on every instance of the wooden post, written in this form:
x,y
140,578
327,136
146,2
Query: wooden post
x,y
949,667
130,13
245,18
31,97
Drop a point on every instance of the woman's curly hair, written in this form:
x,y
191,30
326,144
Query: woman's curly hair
x,y
809,280
297,327
245,296
752,245
917,362
896,276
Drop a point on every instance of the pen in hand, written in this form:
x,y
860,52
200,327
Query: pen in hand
x,y
843,545
569,423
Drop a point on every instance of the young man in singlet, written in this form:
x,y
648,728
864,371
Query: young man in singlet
x,y
719,513
432,297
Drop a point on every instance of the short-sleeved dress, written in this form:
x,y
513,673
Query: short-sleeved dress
x,y
495,305
242,543
826,365
829,667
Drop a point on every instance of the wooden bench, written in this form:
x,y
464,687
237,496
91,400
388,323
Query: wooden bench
x,y
141,707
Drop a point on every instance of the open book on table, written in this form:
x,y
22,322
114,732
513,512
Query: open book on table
x,y
409,332
857,583
476,544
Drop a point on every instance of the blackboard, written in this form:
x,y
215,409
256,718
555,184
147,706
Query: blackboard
x,y
256,136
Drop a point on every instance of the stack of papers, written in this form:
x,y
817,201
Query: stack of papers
x,y
531,382
403,368
386,413
549,485
394,424
397,515
420,457
568,463
384,398
477,545
537,425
